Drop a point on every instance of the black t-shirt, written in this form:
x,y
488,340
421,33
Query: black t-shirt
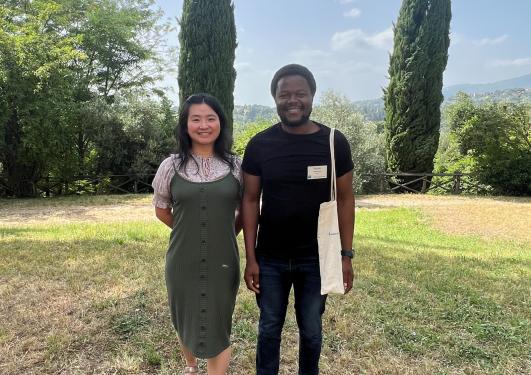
x,y
290,198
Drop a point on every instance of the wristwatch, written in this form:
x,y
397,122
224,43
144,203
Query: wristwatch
x,y
347,253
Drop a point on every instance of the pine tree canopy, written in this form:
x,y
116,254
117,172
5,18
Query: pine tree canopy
x,y
207,50
414,94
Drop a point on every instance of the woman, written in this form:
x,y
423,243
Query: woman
x,y
197,195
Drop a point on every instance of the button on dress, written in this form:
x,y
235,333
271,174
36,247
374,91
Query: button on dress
x,y
202,263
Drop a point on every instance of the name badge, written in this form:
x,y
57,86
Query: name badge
x,y
316,172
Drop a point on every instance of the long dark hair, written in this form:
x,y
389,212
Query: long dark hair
x,y
221,145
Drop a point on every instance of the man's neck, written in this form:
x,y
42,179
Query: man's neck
x,y
308,127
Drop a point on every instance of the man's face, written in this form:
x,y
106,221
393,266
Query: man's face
x,y
294,100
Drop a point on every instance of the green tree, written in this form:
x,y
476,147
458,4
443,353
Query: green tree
x,y
207,49
35,91
120,40
62,63
367,145
414,94
492,141
248,131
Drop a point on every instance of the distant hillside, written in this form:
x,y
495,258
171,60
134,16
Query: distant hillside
x,y
523,82
373,110
515,90
512,96
244,114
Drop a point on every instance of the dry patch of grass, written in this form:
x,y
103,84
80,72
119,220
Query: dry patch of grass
x,y
489,217
108,208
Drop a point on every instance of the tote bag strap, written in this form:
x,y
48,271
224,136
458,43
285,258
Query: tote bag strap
x,y
333,187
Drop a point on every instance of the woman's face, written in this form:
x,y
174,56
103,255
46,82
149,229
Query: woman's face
x,y
203,124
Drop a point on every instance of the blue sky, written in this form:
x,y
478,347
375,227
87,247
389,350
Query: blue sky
x,y
346,43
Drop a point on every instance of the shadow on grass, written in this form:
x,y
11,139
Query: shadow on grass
x,y
440,306
19,231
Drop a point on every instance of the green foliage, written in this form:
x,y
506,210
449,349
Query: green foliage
x,y
491,140
206,60
35,91
118,38
366,143
131,135
62,65
414,94
246,133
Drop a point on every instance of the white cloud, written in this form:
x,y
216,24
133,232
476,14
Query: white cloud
x,y
512,63
358,38
491,41
242,65
353,13
456,38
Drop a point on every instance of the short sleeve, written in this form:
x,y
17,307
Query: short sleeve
x,y
161,184
250,163
237,171
343,155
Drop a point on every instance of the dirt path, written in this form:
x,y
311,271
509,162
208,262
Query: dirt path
x,y
498,217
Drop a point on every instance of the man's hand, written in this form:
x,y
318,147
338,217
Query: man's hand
x,y
348,274
251,276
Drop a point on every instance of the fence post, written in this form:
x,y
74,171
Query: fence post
x,y
457,183
47,191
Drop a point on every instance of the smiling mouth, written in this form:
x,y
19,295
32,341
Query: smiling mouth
x,y
294,110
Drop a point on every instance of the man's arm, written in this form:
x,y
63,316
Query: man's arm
x,y
345,213
250,212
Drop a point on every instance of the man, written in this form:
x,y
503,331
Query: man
x,y
276,166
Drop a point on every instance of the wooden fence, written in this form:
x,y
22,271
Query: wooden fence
x,y
421,183
442,183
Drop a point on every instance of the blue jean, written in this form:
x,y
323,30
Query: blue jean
x,y
276,278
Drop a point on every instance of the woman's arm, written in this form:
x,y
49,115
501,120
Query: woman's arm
x,y
250,211
164,215
238,222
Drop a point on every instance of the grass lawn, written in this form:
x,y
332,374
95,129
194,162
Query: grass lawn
x,y
82,292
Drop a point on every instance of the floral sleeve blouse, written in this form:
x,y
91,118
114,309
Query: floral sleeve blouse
x,y
198,169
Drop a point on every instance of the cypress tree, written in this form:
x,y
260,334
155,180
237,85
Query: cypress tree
x,y
414,95
207,50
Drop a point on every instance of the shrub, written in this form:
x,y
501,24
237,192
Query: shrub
x,y
491,140
366,143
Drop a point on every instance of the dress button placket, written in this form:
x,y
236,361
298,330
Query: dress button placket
x,y
203,265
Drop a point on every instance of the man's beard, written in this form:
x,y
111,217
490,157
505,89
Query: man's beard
x,y
294,124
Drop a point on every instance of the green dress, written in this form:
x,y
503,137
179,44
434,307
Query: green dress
x,y
202,263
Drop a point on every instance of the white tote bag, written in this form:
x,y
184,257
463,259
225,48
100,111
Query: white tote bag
x,y
328,239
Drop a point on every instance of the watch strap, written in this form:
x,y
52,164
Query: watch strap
x,y
347,253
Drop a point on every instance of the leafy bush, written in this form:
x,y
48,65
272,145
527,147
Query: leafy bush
x,y
245,134
366,143
491,140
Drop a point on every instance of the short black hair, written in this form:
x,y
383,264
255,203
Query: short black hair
x,y
293,70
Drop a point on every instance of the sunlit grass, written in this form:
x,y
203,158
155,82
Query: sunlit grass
x,y
90,298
